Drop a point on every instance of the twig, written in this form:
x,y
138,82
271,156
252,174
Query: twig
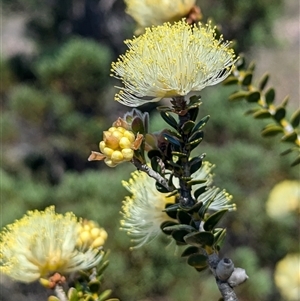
x,y
151,173
225,289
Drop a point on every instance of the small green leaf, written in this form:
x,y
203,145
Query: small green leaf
x,y
196,135
289,150
165,225
189,251
187,127
219,237
241,63
231,80
211,222
195,182
279,114
154,153
137,125
197,261
173,140
194,113
187,228
174,165
183,217
253,96
193,144
195,164
261,114
169,119
270,96
53,298
263,81
72,294
201,269
164,109
247,79
89,298
251,66
194,208
195,99
251,111
295,119
104,295
291,137
271,130
296,162
179,235
102,267
238,96
94,286
285,101
179,154
173,207
201,123
199,191
200,239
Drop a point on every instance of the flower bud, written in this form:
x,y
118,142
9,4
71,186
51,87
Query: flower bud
x,y
118,145
237,277
127,154
124,142
117,156
45,282
224,269
91,235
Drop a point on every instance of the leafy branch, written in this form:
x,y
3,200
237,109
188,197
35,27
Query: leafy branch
x,y
264,98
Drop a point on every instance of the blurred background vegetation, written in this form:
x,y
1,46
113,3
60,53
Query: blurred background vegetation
x,y
57,98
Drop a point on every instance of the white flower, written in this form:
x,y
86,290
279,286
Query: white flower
x,y
155,12
42,243
218,199
171,60
284,198
287,276
143,211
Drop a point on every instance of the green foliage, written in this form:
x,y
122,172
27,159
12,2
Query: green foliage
x,y
62,102
266,108
244,21
64,69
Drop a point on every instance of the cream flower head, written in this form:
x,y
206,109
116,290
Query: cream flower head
x,y
143,211
171,60
287,276
155,12
284,198
42,243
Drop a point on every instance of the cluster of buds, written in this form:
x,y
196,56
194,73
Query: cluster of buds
x,y
226,271
91,235
118,144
